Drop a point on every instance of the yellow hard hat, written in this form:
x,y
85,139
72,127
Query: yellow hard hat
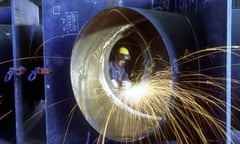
x,y
123,50
124,53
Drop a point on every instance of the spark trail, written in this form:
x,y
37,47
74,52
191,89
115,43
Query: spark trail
x,y
188,107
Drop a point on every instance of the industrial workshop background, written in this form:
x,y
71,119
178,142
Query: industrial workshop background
x,y
36,42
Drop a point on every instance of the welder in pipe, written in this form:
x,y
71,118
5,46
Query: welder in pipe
x,y
118,74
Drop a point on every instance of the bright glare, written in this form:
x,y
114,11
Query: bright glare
x,y
136,93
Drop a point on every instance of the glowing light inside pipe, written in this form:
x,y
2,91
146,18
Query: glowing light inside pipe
x,y
136,93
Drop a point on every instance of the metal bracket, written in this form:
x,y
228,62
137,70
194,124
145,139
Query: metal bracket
x,y
14,72
37,71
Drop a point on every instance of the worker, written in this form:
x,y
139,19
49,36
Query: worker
x,y
118,74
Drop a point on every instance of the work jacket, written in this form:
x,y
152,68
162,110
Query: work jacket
x,y
117,72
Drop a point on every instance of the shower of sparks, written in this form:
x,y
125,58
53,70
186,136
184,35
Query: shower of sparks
x,y
146,94
136,93
5,115
187,106
192,106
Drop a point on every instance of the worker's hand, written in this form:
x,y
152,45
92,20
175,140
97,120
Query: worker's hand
x,y
126,84
115,83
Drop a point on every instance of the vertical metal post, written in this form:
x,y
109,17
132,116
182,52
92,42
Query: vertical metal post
x,y
17,80
24,15
228,72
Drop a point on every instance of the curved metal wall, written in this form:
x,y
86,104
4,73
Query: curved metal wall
x,y
100,35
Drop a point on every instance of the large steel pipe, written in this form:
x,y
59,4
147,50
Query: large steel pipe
x,y
149,35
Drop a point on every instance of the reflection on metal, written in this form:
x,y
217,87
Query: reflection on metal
x,y
149,35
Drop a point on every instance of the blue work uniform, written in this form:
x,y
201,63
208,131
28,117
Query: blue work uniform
x,y
117,72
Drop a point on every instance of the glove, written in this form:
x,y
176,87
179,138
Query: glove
x,y
126,84
115,83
